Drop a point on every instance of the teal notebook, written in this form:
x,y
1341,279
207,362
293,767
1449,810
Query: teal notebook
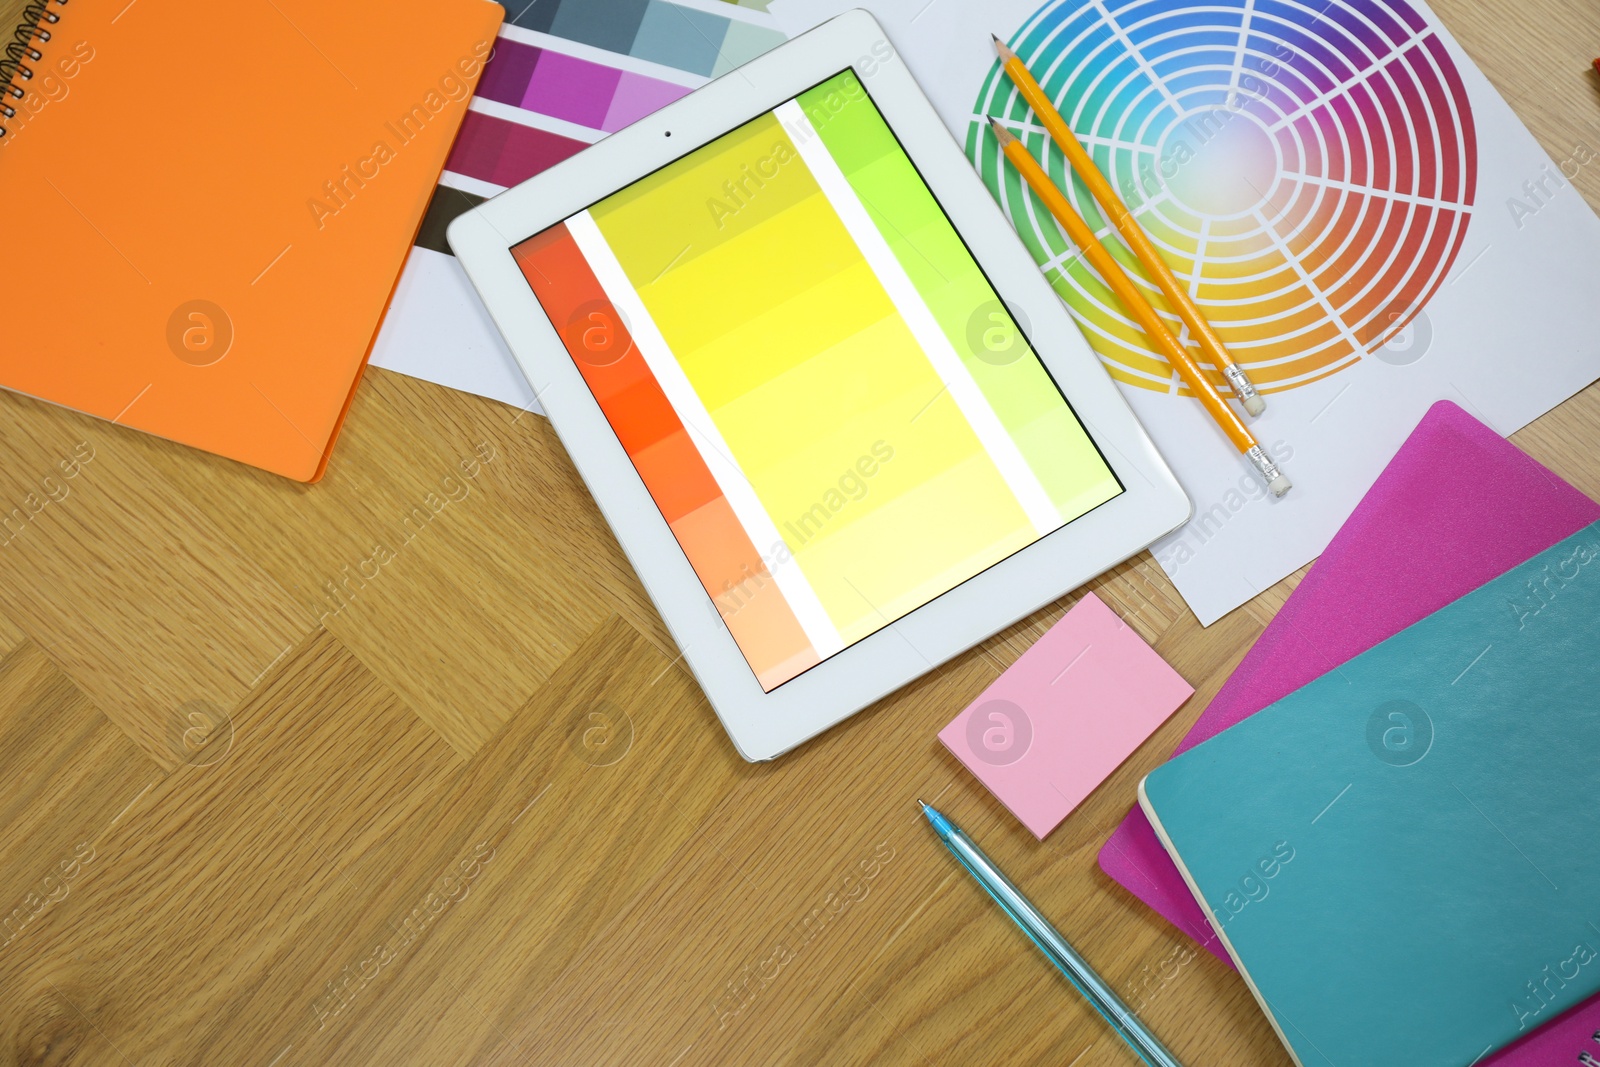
x,y
1403,857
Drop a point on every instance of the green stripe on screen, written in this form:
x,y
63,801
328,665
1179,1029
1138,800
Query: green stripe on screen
x,y
950,282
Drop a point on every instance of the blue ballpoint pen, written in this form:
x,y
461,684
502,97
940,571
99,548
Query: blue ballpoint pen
x,y
1094,988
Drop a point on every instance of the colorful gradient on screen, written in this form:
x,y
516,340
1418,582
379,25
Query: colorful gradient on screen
x,y
1308,168
814,379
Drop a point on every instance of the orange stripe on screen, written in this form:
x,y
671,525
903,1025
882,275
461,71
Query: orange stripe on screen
x,y
727,563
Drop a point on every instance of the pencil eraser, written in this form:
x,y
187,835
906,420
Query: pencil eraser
x,y
1280,485
1255,405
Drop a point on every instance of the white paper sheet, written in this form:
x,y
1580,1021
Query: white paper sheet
x,y
438,330
1508,333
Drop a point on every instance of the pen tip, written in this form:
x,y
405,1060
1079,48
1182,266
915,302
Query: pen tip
x,y
923,804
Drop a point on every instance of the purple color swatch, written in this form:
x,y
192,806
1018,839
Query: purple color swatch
x,y
636,97
574,90
506,75
505,153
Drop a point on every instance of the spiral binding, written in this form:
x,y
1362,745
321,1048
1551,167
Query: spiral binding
x,y
20,51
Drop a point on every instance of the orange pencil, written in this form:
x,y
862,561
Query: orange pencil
x,y
1109,269
1129,228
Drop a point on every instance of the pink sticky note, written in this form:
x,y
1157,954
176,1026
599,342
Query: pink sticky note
x,y
1065,715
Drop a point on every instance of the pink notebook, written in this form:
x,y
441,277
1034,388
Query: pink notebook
x,y
1457,506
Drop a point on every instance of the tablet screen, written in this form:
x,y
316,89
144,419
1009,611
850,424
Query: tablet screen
x,y
835,413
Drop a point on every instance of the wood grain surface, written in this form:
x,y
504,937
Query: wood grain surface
x,y
402,768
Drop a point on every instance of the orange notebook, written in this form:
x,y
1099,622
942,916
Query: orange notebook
x,y
210,203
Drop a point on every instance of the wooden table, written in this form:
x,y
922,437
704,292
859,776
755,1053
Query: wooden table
x,y
403,768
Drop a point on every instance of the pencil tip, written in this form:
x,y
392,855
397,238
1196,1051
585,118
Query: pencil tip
x,y
1000,47
1003,135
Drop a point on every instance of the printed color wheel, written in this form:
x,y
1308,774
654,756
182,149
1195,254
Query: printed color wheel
x,y
1316,159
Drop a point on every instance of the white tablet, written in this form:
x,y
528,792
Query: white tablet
x,y
838,420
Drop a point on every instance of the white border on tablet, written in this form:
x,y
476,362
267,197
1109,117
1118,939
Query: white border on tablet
x,y
761,724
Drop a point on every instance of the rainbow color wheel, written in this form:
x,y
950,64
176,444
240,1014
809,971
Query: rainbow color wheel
x,y
1306,168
